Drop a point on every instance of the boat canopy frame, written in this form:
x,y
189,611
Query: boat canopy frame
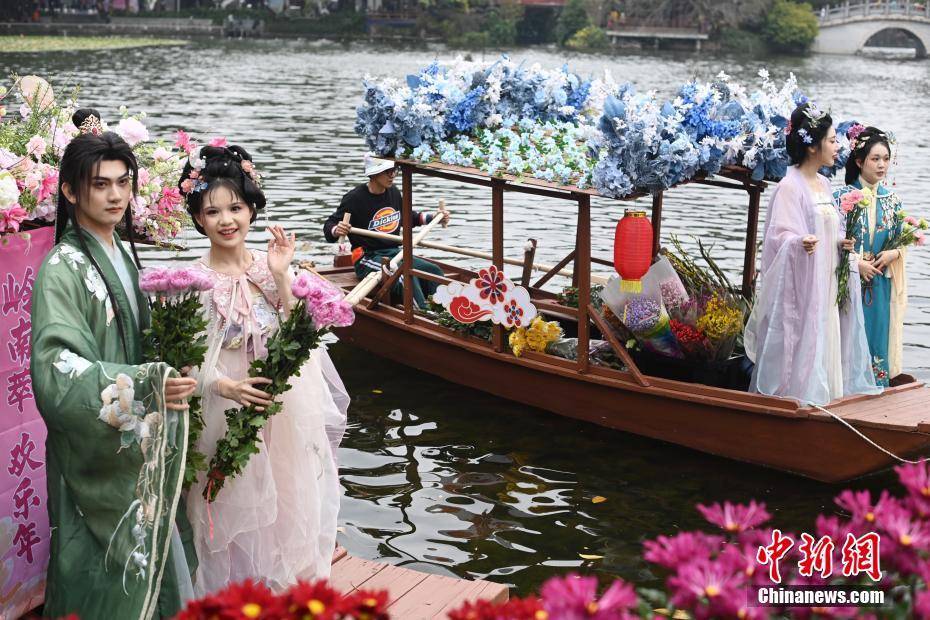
x,y
735,178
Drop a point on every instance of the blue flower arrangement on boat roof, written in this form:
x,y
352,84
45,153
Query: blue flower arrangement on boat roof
x,y
508,118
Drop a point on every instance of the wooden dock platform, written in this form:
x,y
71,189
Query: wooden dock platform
x,y
413,595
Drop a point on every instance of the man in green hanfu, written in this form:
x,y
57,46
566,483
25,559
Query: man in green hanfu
x,y
117,427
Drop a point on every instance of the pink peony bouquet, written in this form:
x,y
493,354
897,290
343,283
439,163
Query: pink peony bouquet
x,y
177,336
323,301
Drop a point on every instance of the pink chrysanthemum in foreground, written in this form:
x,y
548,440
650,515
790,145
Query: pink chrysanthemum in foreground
x,y
573,597
735,517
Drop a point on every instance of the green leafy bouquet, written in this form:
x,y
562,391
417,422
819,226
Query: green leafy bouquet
x,y
320,306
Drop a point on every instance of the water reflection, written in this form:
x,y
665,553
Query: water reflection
x,y
451,480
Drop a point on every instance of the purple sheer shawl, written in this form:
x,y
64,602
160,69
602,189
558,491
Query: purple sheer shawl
x,y
784,335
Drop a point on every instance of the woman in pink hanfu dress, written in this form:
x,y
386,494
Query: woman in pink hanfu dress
x,y
276,521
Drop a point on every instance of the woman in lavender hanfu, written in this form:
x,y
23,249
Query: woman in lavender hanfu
x,y
803,344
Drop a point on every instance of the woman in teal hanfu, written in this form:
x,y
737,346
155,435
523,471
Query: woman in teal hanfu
x,y
884,285
117,427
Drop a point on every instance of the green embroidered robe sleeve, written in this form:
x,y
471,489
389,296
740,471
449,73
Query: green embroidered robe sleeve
x,y
114,453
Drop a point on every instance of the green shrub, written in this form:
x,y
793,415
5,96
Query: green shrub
x,y
502,23
589,38
470,40
743,41
790,26
573,18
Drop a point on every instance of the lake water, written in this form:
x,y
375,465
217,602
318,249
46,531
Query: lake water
x,y
446,479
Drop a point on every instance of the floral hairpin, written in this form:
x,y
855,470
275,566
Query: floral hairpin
x,y
788,128
249,168
194,184
91,125
806,137
814,114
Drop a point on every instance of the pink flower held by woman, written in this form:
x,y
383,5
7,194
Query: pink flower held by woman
x,y
735,517
154,280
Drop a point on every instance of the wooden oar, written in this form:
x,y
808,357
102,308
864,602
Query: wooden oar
x,y
343,259
370,281
596,279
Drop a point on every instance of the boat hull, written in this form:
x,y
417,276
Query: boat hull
x,y
811,446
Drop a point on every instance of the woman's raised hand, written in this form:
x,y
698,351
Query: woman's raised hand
x,y
244,392
280,250
809,242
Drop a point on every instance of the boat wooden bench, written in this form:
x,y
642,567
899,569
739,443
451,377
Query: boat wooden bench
x,y
764,430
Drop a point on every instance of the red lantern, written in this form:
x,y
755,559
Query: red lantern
x,y
633,249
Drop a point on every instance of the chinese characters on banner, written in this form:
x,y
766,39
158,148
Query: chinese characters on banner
x,y
24,535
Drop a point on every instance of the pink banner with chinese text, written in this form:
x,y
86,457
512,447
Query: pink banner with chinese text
x,y
24,534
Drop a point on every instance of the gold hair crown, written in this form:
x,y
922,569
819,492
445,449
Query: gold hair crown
x,y
91,125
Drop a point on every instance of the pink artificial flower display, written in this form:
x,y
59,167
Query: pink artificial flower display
x,y
132,131
36,146
183,141
573,597
910,219
920,237
735,517
49,186
218,141
11,218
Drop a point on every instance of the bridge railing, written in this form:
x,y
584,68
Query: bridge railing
x,y
874,8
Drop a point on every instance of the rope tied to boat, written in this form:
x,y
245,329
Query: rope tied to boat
x,y
867,440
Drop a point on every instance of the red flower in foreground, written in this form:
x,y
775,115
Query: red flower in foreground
x,y
366,605
240,601
529,608
316,598
735,517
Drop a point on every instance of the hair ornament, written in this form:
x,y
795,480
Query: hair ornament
x,y
91,125
814,114
806,137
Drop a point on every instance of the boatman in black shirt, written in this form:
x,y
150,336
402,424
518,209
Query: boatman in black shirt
x,y
376,205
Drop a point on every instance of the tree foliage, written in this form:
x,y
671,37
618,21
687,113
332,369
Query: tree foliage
x,y
790,26
573,18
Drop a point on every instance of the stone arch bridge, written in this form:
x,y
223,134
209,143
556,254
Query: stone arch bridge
x,y
846,28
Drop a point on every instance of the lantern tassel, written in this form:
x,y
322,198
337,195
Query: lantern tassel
x,y
631,286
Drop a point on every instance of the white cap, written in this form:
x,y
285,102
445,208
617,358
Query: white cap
x,y
375,165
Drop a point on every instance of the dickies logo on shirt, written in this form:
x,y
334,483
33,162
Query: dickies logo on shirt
x,y
385,219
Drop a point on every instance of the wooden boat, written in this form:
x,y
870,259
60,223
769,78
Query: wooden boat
x,y
847,439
